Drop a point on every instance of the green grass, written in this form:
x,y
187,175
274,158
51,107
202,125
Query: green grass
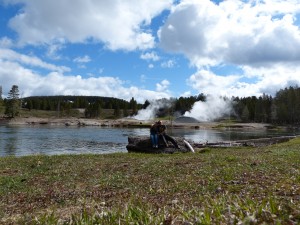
x,y
217,186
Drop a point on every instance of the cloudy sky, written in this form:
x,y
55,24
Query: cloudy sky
x,y
149,49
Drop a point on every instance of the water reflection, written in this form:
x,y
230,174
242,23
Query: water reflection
x,y
8,141
49,140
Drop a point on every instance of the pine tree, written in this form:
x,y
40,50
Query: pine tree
x,y
13,102
245,114
133,106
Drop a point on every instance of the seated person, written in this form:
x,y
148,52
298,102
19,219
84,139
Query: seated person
x,y
154,135
162,132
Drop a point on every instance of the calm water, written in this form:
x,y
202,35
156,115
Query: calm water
x,y
49,140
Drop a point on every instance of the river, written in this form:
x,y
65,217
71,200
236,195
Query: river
x,y
56,140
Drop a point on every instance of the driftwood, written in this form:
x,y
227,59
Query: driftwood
x,y
260,142
143,144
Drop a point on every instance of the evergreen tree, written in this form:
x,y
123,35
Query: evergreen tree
x,y
117,112
13,102
245,114
29,105
273,113
146,104
125,111
133,106
260,114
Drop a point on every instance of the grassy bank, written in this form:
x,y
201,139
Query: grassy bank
x,y
218,186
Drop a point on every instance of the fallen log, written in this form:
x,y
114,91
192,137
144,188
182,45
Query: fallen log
x,y
259,142
143,144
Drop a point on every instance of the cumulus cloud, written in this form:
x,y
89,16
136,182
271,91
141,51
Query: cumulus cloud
x,y
10,55
31,83
168,64
262,81
53,49
150,56
206,81
261,38
150,66
272,79
236,32
162,86
118,24
5,42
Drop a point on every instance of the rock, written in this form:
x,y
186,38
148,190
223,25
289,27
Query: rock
x,y
143,144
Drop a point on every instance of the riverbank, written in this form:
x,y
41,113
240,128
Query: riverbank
x,y
130,122
217,186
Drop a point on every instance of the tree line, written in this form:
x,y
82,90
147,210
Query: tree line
x,y
93,105
283,108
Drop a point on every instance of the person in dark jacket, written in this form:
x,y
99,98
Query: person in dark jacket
x,y
162,132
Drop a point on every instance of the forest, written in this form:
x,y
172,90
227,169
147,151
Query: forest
x,y
283,108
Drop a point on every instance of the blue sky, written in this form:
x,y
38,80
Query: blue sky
x,y
149,49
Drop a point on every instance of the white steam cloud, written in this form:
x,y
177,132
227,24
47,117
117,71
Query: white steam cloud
x,y
210,110
151,111
213,108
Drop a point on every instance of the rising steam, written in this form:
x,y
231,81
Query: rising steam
x,y
151,111
213,108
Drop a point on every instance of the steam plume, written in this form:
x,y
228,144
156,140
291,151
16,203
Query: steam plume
x,y
213,108
151,111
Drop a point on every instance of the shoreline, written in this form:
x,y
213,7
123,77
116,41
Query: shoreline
x,y
130,122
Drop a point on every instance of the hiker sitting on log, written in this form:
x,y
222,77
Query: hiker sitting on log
x,y
154,135
162,133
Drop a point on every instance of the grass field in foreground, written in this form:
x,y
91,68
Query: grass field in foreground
x,y
219,186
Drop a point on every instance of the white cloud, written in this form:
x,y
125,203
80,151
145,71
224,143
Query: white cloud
x,y
118,24
52,51
168,64
238,32
32,83
264,80
84,59
272,79
205,81
262,38
162,86
150,66
10,55
150,56
5,42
